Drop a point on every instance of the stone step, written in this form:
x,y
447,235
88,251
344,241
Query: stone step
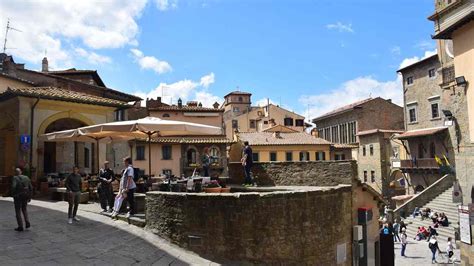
x,y
137,219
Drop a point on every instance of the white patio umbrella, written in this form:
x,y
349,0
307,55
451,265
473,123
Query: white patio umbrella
x,y
149,127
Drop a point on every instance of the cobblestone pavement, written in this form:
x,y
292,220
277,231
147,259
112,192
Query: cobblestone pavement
x,y
95,240
418,253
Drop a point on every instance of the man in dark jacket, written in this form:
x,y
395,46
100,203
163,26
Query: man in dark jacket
x,y
73,188
106,195
247,163
21,193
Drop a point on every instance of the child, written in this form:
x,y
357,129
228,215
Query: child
x,y
449,249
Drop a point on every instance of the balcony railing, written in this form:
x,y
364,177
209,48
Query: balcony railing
x,y
426,163
441,5
448,74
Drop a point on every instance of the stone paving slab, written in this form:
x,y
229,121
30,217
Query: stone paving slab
x,y
417,253
95,240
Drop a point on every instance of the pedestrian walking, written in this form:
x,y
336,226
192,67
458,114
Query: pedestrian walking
x,y
450,250
206,161
126,190
247,163
105,190
396,230
21,193
73,189
433,245
402,226
404,242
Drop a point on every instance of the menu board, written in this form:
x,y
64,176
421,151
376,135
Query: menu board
x,y
465,213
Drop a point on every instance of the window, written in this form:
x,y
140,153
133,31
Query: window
x,y
166,115
119,115
235,124
365,176
304,156
255,156
335,134
352,128
236,109
288,121
140,152
166,152
289,156
371,148
214,154
191,155
86,157
241,99
434,110
372,176
273,156
320,156
253,123
339,156
432,150
432,73
409,80
412,114
265,122
364,151
299,122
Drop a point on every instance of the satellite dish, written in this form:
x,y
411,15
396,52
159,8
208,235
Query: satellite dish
x,y
448,45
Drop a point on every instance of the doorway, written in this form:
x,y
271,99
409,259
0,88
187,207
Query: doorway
x,y
49,165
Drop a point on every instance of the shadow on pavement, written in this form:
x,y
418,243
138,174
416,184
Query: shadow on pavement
x,y
52,241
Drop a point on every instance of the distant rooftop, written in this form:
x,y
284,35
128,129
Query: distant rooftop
x,y
271,138
421,61
238,93
342,109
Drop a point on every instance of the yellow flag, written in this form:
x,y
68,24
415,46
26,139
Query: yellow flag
x,y
446,159
438,160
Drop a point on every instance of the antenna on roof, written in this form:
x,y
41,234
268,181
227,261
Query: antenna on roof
x,y
8,28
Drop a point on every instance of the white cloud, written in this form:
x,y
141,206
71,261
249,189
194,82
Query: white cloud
x,y
185,89
207,80
164,5
412,60
426,45
150,62
341,27
92,57
53,25
352,91
396,50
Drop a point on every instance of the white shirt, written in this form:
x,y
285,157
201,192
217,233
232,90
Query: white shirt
x,y
125,183
404,238
450,247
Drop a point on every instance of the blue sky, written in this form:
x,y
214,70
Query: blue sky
x,y
314,55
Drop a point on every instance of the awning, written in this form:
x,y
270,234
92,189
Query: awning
x,y
420,132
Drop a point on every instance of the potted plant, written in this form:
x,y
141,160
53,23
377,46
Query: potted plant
x,y
212,187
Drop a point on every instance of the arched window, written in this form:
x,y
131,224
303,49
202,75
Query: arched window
x,y
191,156
214,154
166,115
432,150
421,150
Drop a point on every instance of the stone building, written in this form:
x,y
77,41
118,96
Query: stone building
x,y
454,32
181,155
280,146
427,140
377,150
366,126
34,103
241,116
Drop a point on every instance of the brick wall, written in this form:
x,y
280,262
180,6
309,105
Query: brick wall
x,y
326,173
280,227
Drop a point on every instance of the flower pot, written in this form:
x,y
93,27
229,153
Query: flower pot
x,y
212,190
225,190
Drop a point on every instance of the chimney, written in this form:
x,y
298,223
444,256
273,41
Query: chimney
x,y
216,105
389,100
192,103
44,65
180,103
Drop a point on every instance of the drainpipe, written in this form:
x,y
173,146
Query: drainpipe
x,y
32,119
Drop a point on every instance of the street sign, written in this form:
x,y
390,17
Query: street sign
x,y
25,139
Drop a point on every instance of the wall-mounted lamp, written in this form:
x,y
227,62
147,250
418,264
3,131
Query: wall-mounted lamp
x,y
449,118
461,81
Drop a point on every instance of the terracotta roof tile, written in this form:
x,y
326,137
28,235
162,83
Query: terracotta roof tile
x,y
421,132
377,130
344,146
185,108
53,93
268,139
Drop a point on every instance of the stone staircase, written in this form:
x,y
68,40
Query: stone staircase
x,y
442,203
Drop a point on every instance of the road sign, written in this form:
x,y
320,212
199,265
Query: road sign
x,y
25,139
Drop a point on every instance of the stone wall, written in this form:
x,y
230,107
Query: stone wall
x,y
301,225
321,173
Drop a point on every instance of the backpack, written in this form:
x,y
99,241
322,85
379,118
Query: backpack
x,y
25,192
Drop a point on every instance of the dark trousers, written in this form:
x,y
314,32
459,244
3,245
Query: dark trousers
x,y
131,200
74,198
20,207
106,196
404,246
206,170
248,174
